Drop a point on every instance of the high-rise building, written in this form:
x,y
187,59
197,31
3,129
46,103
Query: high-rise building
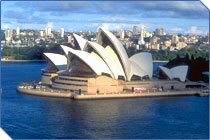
x,y
17,31
135,30
8,34
47,31
62,32
159,31
143,33
122,34
41,33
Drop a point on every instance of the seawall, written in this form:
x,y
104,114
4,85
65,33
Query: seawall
x,y
54,93
7,60
42,92
135,95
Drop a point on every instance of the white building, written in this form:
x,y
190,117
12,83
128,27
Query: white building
x,y
122,34
135,30
17,31
8,34
47,31
62,32
159,31
143,33
108,56
41,33
103,67
174,39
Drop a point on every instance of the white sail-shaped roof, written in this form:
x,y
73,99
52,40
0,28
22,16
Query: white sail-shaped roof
x,y
59,61
179,72
120,50
91,59
136,70
167,72
111,54
65,49
81,41
109,51
108,57
144,61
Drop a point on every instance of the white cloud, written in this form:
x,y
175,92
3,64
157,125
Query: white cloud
x,y
117,26
194,30
118,19
5,26
176,29
125,26
50,25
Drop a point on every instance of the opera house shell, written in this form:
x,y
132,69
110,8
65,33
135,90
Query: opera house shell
x,y
101,66
178,72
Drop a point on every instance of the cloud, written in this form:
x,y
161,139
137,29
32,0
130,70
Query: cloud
x,y
14,14
195,30
176,29
111,14
116,26
173,9
149,9
22,17
6,26
55,6
50,25
118,19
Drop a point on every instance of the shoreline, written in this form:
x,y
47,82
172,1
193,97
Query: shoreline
x,y
12,60
4,60
75,96
160,61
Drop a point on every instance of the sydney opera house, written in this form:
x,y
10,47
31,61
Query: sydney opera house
x,y
104,67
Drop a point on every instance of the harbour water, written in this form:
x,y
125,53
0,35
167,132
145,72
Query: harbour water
x,y
34,117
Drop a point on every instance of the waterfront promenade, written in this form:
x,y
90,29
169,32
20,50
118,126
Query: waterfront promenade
x,y
77,96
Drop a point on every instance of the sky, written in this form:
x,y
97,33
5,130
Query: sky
x,y
186,17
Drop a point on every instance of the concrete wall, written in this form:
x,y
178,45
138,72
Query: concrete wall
x,y
165,84
105,84
70,83
46,77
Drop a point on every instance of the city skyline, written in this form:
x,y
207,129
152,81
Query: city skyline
x,y
176,17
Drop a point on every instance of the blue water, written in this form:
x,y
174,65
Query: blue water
x,y
34,117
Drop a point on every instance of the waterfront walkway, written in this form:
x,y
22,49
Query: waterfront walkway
x,y
74,95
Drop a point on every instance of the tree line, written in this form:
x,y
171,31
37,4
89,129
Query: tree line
x,y
36,52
